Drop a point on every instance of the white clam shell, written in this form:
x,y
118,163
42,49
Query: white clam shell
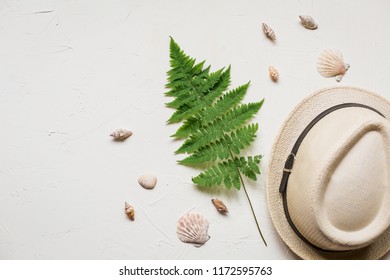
x,y
192,228
148,181
308,22
269,32
121,134
330,63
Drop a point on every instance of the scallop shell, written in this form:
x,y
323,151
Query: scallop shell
x,y
273,73
330,63
121,134
129,210
192,228
269,32
308,22
148,181
221,207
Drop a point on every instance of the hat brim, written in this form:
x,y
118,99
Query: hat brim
x,y
295,123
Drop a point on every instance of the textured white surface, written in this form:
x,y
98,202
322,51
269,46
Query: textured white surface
x,y
74,71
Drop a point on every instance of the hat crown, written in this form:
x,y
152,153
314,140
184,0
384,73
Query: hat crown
x,y
339,187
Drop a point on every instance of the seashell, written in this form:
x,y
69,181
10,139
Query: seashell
x,y
147,181
192,228
308,22
330,63
129,210
269,32
121,134
273,73
221,207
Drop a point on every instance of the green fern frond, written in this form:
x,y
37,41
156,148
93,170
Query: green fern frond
x,y
214,122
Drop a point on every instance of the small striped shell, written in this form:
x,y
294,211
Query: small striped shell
x,y
192,228
221,207
330,63
273,73
308,22
269,32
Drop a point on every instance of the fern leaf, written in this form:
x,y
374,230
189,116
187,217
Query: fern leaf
x,y
213,122
209,153
181,78
219,87
240,115
233,119
190,125
194,88
225,172
186,98
249,167
234,142
204,92
181,64
209,113
225,103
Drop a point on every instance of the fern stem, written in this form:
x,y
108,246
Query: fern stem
x,y
253,212
250,202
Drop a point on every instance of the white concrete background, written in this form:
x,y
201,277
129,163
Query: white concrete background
x,y
71,72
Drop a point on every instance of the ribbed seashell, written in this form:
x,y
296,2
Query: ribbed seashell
x,y
129,210
192,228
221,207
273,73
148,181
269,32
330,63
308,22
121,134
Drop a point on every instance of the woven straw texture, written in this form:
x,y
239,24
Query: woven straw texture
x,y
295,123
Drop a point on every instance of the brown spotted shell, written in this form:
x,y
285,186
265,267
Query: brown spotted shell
x,y
193,228
221,207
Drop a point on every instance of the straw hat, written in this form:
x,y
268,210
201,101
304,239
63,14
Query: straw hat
x,y
328,180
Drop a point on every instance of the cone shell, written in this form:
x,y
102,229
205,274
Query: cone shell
x,y
330,63
192,228
221,207
148,181
308,22
129,210
273,73
121,134
269,32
